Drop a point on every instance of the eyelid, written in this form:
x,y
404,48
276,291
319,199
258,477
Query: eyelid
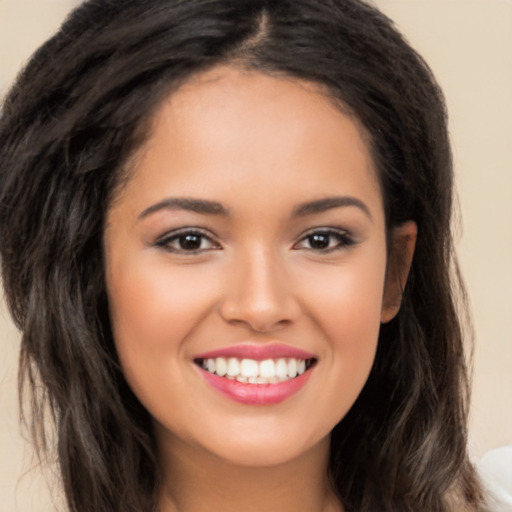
x,y
164,241
346,238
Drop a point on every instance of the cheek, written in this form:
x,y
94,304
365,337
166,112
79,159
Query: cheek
x,y
153,311
150,296
346,307
351,311
346,301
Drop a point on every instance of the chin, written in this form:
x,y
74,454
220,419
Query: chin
x,y
263,448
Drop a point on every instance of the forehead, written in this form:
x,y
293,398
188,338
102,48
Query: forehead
x,y
263,134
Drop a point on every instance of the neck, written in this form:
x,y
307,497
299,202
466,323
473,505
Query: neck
x,y
195,481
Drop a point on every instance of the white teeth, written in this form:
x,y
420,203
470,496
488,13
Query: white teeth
x,y
222,366
281,368
249,368
292,368
210,365
268,371
267,368
233,367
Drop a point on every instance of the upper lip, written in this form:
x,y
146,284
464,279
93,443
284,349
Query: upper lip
x,y
258,352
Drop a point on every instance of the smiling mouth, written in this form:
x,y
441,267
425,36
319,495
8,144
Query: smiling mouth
x,y
252,371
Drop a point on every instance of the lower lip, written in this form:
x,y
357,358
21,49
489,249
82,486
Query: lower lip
x,y
256,394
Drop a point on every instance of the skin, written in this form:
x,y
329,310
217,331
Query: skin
x,y
260,146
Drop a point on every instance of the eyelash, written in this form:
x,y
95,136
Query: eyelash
x,y
168,239
343,241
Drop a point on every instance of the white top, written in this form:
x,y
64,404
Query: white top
x,y
495,470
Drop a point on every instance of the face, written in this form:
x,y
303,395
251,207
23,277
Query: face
x,y
246,268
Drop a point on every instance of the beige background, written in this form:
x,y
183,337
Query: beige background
x,y
469,46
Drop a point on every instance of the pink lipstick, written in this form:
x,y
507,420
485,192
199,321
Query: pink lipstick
x,y
256,394
256,374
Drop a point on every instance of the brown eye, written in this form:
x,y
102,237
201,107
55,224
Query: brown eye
x,y
325,241
319,240
187,242
191,242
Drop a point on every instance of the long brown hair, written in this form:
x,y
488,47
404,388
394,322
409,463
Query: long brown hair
x,y
68,128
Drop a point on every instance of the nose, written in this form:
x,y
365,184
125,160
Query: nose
x,y
258,294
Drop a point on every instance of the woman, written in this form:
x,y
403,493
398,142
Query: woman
x,y
225,235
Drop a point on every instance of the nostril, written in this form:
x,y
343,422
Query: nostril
x,y
259,319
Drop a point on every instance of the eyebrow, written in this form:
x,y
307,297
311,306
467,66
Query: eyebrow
x,y
206,207
328,203
184,203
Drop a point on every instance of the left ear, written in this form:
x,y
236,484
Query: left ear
x,y
403,242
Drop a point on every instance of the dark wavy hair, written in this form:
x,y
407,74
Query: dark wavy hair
x,y
80,110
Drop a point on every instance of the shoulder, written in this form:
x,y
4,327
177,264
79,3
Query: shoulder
x,y
495,470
